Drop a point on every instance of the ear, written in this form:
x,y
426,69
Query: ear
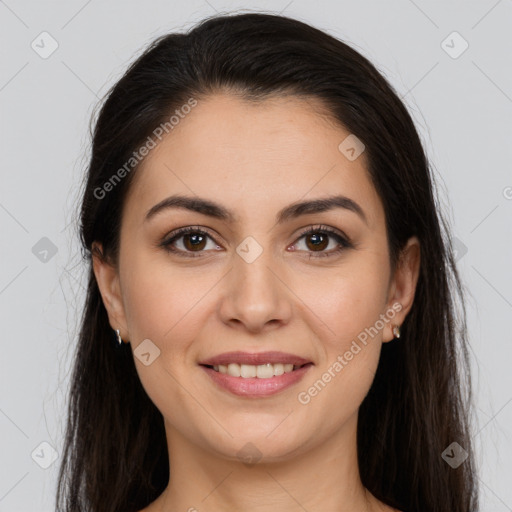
x,y
403,285
107,278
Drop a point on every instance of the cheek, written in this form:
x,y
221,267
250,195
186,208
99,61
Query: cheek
x,y
345,300
349,360
161,302
159,306
351,310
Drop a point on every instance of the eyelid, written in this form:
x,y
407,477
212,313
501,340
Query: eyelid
x,y
342,239
179,233
323,228
344,242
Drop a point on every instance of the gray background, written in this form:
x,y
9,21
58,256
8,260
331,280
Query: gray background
x,y
461,104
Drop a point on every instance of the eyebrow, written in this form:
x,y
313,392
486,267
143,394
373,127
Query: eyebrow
x,y
217,211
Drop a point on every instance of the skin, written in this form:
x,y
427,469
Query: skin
x,y
255,159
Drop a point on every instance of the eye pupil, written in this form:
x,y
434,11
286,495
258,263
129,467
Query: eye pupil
x,y
193,238
319,244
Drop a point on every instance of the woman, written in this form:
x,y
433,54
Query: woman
x,y
270,321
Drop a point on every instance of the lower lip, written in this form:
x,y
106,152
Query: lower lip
x,y
255,387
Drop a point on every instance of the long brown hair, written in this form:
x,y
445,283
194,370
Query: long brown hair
x,y
115,454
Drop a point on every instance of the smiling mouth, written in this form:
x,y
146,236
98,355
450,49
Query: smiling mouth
x,y
262,371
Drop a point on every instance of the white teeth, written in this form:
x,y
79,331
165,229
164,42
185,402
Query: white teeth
x,y
262,371
234,370
278,369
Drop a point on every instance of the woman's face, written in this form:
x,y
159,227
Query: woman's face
x,y
254,283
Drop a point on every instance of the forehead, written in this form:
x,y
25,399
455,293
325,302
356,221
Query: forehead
x,y
253,157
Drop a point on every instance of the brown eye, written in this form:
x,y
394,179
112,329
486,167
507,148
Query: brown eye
x,y
194,242
318,241
187,241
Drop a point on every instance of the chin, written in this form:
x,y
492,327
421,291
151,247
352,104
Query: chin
x,y
259,447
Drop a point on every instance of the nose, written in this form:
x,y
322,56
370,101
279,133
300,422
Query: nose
x,y
255,297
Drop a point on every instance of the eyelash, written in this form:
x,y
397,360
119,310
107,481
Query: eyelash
x,y
344,242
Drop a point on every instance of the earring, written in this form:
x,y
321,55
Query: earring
x,y
396,331
119,339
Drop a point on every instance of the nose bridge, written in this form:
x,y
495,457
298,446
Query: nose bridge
x,y
255,295
254,275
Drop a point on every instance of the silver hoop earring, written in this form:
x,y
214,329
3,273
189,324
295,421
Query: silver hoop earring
x,y
119,339
396,331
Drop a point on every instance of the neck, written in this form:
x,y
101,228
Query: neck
x,y
325,477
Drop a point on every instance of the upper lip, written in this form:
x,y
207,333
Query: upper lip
x,y
255,358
